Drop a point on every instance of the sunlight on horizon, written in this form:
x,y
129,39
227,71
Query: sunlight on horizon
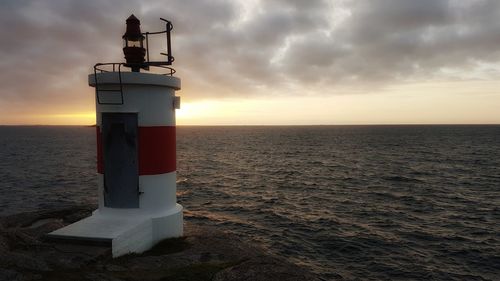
x,y
457,103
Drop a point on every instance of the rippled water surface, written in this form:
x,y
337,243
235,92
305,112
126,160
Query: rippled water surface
x,y
349,202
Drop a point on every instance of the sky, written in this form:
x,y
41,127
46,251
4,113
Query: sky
x,y
272,62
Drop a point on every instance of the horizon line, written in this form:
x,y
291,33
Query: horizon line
x,y
271,125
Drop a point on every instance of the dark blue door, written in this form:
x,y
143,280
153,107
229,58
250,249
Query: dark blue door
x,y
121,172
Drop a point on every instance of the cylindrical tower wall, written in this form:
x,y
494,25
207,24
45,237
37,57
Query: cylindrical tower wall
x,y
151,97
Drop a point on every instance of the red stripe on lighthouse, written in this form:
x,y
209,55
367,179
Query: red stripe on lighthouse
x,y
156,150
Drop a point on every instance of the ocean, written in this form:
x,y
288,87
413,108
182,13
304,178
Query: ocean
x,y
347,202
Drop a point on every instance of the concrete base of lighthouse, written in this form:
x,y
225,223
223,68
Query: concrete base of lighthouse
x,y
126,231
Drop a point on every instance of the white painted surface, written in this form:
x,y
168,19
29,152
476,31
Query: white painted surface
x,y
154,105
101,227
152,96
135,240
158,194
168,224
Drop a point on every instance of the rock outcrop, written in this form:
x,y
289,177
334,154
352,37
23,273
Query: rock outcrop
x,y
204,253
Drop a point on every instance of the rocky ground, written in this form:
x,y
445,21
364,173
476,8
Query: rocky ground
x,y
204,253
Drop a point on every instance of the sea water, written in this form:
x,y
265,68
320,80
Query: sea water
x,y
348,202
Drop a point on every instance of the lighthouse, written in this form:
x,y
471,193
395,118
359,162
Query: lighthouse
x,y
136,151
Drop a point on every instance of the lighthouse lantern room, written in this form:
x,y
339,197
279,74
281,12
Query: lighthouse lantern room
x,y
136,153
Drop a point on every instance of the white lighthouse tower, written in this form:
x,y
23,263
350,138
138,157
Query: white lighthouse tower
x,y
136,153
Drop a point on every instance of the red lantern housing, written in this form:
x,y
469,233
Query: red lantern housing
x,y
133,44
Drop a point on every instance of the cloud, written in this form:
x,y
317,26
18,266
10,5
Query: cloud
x,y
231,48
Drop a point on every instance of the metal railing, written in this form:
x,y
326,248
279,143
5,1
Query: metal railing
x,y
116,67
168,28
101,70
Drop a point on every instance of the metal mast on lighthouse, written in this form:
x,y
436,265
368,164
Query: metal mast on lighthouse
x,y
136,154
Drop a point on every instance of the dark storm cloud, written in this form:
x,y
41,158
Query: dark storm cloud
x,y
225,48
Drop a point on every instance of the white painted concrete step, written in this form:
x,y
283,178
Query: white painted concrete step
x,y
96,228
127,233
